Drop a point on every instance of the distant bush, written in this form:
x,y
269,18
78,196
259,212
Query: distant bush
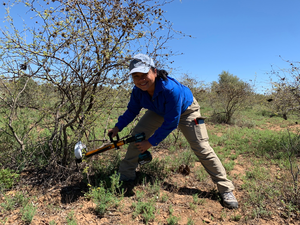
x,y
228,95
285,94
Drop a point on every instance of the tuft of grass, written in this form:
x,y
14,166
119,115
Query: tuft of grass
x,y
236,217
4,220
173,220
70,219
229,165
11,202
260,212
190,221
105,198
145,209
28,213
196,201
201,174
153,189
103,168
223,215
139,195
164,198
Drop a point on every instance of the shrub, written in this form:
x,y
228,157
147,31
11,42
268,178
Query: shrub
x,y
145,209
8,178
229,95
105,198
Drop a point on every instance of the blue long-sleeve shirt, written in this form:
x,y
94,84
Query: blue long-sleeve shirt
x,y
170,100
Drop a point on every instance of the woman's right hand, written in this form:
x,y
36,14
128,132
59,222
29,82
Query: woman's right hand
x,y
114,131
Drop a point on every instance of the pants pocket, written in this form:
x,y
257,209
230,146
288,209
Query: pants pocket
x,y
200,128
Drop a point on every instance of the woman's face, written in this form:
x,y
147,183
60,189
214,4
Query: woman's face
x,y
145,81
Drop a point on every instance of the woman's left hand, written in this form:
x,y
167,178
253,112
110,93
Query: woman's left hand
x,y
143,145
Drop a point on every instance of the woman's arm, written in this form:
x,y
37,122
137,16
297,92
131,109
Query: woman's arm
x,y
173,107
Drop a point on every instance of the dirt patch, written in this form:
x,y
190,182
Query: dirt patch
x,y
284,127
60,201
59,198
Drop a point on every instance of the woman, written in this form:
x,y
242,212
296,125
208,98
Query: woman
x,y
170,105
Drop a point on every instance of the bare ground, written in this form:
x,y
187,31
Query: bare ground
x,y
55,200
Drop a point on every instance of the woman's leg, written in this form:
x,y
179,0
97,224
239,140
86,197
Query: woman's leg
x,y
147,124
197,137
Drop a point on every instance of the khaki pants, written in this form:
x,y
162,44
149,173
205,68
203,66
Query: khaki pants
x,y
197,137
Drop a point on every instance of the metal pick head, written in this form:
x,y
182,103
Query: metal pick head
x,y
79,146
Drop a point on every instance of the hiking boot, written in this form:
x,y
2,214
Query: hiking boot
x,y
127,186
229,200
125,178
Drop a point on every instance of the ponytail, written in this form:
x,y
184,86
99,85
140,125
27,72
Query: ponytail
x,y
161,74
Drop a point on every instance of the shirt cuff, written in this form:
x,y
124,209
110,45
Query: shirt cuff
x,y
153,142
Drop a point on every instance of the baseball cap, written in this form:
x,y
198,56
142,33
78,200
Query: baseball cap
x,y
141,64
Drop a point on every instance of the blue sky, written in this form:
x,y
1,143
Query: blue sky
x,y
243,37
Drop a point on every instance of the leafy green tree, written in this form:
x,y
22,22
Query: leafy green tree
x,y
79,49
228,95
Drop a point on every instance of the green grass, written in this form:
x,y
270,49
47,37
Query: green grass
x,y
28,213
11,202
8,178
201,174
265,146
70,219
269,159
262,148
190,221
152,189
261,143
145,209
164,198
106,196
196,202
173,220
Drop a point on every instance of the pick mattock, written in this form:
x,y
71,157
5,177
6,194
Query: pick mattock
x,y
143,157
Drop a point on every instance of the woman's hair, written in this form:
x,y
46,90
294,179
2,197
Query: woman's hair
x,y
160,73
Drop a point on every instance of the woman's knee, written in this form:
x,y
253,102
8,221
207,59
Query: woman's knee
x,y
202,149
